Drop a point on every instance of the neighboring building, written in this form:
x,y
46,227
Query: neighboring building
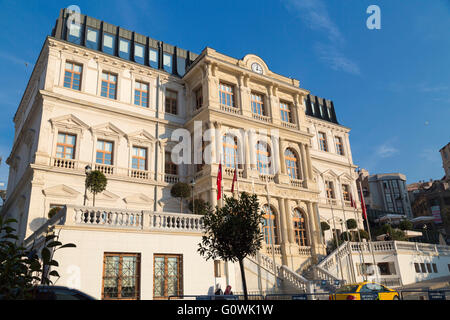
x,y
386,192
431,208
416,188
445,154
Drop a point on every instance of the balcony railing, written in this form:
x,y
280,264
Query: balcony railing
x,y
266,177
276,247
261,117
304,250
297,183
65,163
104,168
230,172
171,178
139,174
288,125
229,109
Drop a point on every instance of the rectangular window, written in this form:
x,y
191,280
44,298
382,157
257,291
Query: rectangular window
x,y
109,43
139,53
153,58
199,98
329,188
226,95
139,158
417,267
141,94
285,110
104,152
72,76
181,66
339,146
109,85
257,102
323,141
423,268
171,101
346,192
167,62
92,38
65,148
435,268
74,33
167,275
121,276
124,49
169,166
313,107
429,268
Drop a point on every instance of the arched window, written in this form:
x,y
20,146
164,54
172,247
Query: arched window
x,y
299,228
291,164
263,157
269,225
230,151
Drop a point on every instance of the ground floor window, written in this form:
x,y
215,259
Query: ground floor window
x,y
167,276
121,276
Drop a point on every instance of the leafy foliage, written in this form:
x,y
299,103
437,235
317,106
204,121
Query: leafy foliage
x,y
201,206
96,182
21,268
181,191
324,226
351,224
53,211
346,236
233,231
405,225
395,234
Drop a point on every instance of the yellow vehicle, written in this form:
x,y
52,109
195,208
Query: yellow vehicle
x,y
365,291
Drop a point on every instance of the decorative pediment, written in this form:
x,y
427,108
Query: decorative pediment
x,y
255,64
346,177
107,129
141,136
138,198
105,195
61,191
69,122
327,173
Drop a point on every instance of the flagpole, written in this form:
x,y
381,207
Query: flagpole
x,y
348,233
361,251
363,207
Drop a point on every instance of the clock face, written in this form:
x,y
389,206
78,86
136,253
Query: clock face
x,y
257,68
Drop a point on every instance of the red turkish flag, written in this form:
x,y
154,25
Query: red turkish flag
x,y
363,204
219,182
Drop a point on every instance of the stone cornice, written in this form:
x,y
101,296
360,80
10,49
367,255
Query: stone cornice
x,y
327,124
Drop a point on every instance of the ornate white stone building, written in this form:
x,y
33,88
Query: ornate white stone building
x,y
108,98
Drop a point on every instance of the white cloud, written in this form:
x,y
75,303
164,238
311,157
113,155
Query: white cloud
x,y
386,150
315,15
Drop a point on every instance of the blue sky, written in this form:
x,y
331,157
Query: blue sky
x,y
390,86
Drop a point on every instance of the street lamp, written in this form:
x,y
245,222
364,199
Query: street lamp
x,y
193,198
87,171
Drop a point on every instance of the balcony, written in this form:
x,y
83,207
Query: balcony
x,y
126,219
230,172
297,183
266,177
109,170
262,118
288,125
171,178
229,109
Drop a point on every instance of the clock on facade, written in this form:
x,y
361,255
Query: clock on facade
x,y
256,67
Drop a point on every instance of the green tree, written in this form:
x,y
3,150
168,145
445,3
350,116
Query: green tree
x,y
233,232
181,191
324,226
96,182
53,211
21,269
363,234
346,236
351,224
201,206
405,225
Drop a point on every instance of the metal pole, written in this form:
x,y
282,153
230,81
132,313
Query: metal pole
x,y
375,267
348,232
360,245
337,243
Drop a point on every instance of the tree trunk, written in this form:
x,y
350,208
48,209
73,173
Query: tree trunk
x,y
93,200
181,205
244,283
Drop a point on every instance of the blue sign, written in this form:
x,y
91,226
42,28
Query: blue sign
x,y
336,282
203,298
369,296
300,297
324,282
436,295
